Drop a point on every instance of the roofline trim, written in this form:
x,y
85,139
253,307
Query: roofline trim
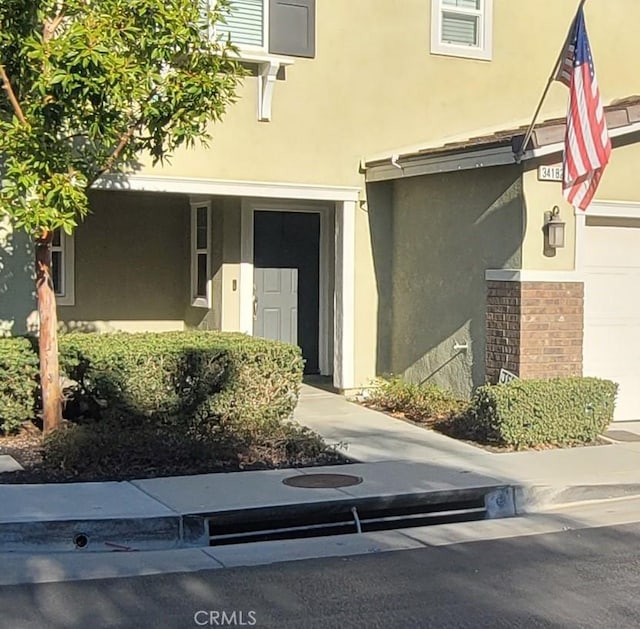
x,y
399,166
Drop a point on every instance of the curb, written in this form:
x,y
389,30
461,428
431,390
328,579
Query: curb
x,y
194,530
541,498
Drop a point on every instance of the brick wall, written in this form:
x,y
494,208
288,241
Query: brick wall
x,y
503,328
534,329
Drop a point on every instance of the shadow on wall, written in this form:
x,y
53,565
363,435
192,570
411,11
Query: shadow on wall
x,y
433,239
132,260
17,290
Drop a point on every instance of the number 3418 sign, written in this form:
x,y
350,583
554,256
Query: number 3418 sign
x,y
550,173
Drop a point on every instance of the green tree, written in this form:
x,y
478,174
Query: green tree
x,y
90,86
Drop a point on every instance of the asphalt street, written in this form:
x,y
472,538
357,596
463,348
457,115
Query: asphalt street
x,y
588,578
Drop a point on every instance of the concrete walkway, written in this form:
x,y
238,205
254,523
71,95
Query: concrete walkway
x,y
372,437
395,458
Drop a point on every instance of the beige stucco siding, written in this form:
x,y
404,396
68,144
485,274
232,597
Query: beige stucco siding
x,y
621,179
132,263
541,196
375,86
619,182
447,230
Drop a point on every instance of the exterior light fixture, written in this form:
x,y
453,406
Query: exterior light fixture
x,y
554,228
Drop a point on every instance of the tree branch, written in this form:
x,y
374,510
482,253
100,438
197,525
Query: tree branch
x,y
51,25
108,165
6,84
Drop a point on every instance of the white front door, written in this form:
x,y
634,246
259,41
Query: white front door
x,y
612,308
276,304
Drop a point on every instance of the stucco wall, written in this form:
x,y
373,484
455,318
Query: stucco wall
x,y
17,290
619,182
541,196
375,86
132,264
447,230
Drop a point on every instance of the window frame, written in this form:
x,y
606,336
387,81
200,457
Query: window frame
x,y
200,301
65,294
484,50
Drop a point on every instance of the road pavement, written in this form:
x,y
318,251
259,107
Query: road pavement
x,y
572,578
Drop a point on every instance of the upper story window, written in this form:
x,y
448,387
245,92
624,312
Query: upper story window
x,y
280,27
462,28
62,268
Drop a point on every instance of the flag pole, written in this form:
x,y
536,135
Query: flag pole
x,y
527,135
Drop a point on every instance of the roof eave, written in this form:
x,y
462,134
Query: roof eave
x,y
471,157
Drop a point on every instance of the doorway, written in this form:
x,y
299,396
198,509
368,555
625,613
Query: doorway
x,y
286,286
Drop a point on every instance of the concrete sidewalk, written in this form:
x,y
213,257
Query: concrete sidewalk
x,y
397,459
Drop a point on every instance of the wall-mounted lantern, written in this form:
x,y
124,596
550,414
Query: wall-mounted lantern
x,y
554,228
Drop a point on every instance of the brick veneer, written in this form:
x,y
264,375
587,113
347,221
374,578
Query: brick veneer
x,y
534,329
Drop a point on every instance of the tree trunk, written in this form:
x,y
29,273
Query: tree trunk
x,y
48,336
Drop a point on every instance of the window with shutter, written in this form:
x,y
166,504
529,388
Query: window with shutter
x,y
292,27
245,24
281,27
462,28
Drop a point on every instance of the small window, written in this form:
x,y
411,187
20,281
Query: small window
x,y
201,254
283,27
62,268
462,28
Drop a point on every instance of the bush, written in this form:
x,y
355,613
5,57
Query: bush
x,y
525,413
18,383
107,451
201,378
418,402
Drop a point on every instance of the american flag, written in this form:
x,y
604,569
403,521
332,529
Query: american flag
x,y
587,146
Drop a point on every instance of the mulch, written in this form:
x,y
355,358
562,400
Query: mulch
x,y
26,448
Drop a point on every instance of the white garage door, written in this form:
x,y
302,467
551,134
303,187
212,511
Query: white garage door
x,y
611,254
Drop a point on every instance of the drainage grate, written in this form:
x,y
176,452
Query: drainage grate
x,y
322,481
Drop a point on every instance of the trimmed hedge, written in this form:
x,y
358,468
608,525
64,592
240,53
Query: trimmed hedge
x,y
557,411
198,377
18,383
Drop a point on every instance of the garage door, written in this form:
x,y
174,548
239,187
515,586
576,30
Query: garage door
x,y
612,307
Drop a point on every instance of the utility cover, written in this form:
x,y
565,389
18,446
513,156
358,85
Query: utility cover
x,y
322,481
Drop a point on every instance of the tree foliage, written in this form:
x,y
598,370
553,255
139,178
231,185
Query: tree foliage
x,y
95,84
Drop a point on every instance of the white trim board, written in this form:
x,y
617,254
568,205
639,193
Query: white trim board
x,y
611,209
221,187
531,275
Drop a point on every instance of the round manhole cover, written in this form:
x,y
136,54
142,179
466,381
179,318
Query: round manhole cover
x,y
322,481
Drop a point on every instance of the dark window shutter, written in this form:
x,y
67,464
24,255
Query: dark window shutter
x,y
292,27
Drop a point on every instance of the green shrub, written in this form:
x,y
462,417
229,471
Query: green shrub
x,y
525,413
18,383
201,378
419,402
105,450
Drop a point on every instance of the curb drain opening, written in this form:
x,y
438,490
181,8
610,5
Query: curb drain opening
x,y
81,540
346,518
